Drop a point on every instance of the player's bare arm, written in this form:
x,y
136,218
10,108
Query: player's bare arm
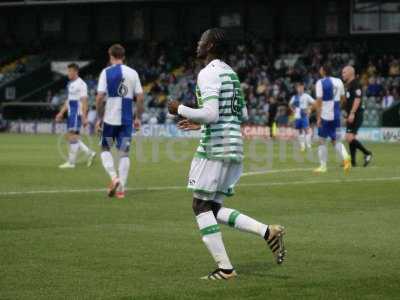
x,y
188,125
173,107
84,101
100,110
60,115
356,105
318,105
139,111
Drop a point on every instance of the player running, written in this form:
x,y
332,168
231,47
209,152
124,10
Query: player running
x,y
118,86
300,104
355,110
77,108
217,164
330,94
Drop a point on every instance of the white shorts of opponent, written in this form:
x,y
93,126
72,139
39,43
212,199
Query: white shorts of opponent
x,y
212,180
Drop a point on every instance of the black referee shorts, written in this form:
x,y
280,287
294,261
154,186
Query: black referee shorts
x,y
353,127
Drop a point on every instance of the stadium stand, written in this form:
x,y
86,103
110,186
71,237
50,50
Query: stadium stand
x,y
268,75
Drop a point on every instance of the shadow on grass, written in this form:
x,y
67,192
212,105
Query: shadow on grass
x,y
260,269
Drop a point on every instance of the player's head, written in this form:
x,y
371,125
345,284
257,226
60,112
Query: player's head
x,y
72,71
348,73
212,42
116,53
325,70
300,87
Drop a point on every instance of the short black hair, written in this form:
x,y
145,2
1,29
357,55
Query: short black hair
x,y
73,66
327,68
217,37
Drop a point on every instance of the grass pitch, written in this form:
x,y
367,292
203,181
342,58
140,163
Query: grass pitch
x,y
62,238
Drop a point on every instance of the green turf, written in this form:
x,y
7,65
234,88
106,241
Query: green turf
x,y
342,236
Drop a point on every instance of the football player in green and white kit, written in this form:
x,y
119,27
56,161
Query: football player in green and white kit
x,y
217,164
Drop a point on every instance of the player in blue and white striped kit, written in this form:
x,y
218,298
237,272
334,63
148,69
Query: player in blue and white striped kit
x,y
77,108
118,85
300,104
330,93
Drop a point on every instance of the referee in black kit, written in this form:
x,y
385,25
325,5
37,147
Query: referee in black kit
x,y
355,110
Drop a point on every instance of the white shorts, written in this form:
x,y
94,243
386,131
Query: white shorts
x,y
213,179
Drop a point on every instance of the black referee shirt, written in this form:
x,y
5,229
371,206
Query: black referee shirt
x,y
353,91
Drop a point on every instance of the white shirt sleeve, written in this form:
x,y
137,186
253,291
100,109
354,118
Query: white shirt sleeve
x,y
84,90
310,99
209,85
291,101
209,113
102,84
138,86
318,89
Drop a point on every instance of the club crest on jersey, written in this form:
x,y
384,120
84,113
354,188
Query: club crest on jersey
x,y
122,89
235,106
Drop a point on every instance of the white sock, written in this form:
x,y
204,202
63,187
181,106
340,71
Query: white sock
x,y
84,148
308,140
108,163
341,150
302,139
73,152
123,170
323,155
242,222
212,237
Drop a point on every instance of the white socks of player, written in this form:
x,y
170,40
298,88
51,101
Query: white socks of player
x,y
73,152
308,139
323,155
302,140
242,222
341,150
84,148
108,164
123,169
212,238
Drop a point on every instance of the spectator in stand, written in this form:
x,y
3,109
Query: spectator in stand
x,y
374,88
55,100
387,100
272,112
394,69
92,116
49,96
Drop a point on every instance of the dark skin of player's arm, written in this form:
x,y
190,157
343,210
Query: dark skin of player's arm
x,y
203,52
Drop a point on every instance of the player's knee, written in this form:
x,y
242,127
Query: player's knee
x,y
349,138
200,206
123,153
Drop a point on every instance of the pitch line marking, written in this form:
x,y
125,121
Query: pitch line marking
x,y
161,188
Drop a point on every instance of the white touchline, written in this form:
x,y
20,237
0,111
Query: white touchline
x,y
275,171
161,188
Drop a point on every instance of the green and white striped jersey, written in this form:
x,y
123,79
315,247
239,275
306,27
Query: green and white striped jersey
x,y
221,140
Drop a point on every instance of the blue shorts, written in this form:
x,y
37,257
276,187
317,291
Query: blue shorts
x,y
74,123
301,123
119,134
328,129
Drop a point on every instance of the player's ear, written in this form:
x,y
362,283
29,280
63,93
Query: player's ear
x,y
210,46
